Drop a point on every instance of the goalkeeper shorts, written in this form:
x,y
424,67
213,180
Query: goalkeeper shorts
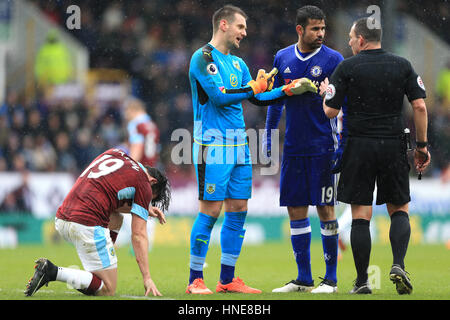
x,y
223,172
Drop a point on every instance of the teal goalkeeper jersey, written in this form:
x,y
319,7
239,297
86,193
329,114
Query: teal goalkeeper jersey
x,y
219,84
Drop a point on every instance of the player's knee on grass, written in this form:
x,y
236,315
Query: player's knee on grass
x,y
106,291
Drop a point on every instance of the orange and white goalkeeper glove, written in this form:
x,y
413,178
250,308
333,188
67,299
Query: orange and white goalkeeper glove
x,y
260,84
299,86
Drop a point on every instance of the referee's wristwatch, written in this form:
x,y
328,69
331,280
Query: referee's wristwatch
x,y
421,144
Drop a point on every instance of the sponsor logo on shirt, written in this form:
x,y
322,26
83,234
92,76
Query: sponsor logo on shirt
x,y
234,80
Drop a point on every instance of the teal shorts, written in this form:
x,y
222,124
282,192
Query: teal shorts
x,y
223,172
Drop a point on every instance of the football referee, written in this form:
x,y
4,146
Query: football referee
x,y
374,83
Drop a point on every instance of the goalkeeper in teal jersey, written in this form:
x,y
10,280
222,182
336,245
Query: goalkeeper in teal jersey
x,y
220,81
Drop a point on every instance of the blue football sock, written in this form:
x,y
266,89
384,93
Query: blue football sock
x,y
301,242
200,235
231,239
330,236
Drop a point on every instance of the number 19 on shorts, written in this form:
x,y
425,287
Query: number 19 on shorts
x,y
327,195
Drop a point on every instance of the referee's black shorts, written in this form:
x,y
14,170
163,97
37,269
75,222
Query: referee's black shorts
x,y
367,161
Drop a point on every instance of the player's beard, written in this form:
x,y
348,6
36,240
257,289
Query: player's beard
x,y
311,45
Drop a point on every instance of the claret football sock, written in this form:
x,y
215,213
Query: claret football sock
x,y
301,242
330,236
231,239
399,234
200,236
361,243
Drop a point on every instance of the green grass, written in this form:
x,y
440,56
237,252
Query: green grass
x,y
265,267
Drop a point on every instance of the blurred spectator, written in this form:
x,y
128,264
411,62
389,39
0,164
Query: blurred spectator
x,y
153,42
53,62
143,134
12,107
43,154
443,85
66,160
18,200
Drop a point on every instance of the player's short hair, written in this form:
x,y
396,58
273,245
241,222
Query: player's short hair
x,y
366,27
308,12
226,12
161,189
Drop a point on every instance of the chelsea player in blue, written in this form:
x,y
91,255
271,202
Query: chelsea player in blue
x,y
309,148
219,82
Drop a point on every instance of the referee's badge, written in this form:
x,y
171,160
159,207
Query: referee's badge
x,y
210,188
316,71
420,83
211,68
331,91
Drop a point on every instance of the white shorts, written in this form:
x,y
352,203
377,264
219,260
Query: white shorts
x,y
93,244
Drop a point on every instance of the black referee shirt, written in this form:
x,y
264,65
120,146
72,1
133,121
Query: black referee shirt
x,y
374,82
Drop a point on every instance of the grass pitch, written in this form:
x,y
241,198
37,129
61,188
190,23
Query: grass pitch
x,y
265,267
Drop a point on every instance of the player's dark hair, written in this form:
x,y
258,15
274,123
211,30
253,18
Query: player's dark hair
x,y
367,28
308,12
161,189
226,12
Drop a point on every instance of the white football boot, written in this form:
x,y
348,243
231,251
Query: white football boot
x,y
294,286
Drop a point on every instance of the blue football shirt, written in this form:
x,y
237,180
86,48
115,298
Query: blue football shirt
x,y
308,130
219,83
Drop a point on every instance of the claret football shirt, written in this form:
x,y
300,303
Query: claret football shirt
x,y
110,181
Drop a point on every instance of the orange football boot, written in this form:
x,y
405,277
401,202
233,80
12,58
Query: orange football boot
x,y
198,287
236,286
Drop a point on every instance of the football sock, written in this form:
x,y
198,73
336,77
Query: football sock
x,y
330,236
200,235
84,281
231,239
399,234
361,245
301,242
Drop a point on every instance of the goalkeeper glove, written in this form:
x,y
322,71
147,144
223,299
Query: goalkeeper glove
x,y
260,84
271,78
299,86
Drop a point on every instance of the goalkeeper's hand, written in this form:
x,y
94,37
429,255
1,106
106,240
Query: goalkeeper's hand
x,y
260,84
299,86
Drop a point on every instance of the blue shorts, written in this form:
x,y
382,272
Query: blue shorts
x,y
223,172
307,180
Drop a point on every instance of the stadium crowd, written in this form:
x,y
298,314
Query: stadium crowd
x,y
153,42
